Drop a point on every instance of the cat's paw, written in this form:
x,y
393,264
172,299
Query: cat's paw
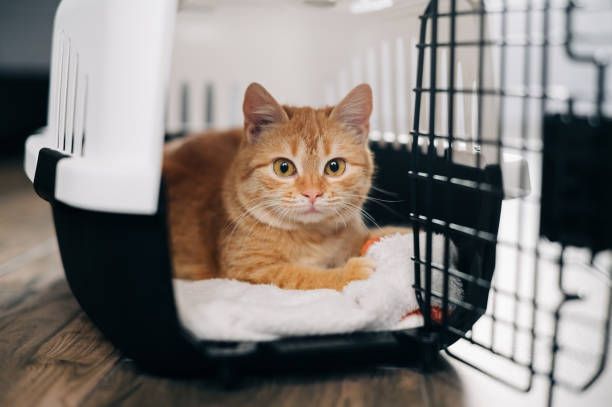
x,y
358,268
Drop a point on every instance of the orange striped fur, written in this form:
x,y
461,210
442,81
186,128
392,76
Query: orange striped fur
x,y
232,216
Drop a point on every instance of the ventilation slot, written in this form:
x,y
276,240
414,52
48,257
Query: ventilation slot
x,y
60,92
69,109
71,99
74,105
84,115
64,97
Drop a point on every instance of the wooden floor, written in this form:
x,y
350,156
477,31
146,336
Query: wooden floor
x,y
50,354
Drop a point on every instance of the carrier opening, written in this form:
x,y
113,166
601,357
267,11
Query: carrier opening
x,y
210,99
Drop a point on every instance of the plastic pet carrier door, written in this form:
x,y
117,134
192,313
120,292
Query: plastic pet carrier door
x,y
481,132
541,94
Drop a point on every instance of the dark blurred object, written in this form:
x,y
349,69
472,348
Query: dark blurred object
x,y
575,207
25,49
23,108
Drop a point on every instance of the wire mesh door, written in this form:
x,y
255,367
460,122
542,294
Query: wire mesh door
x,y
540,97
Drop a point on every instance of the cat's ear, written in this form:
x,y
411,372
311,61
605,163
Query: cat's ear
x,y
354,111
260,110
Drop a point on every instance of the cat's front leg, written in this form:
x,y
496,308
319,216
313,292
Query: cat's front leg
x,y
301,277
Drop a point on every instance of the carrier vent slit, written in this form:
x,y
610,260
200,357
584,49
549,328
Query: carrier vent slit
x,y
59,93
65,99
84,129
74,103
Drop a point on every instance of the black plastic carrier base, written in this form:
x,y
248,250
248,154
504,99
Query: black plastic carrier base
x,y
119,269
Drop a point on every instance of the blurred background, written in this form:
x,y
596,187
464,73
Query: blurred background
x,y
25,50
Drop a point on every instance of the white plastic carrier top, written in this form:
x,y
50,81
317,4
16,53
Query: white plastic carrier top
x,y
110,65
122,77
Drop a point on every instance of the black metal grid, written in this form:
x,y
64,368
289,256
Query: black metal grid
x,y
535,90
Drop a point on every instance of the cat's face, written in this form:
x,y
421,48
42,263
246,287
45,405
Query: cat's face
x,y
305,166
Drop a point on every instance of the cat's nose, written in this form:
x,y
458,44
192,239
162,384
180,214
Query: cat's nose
x,y
312,195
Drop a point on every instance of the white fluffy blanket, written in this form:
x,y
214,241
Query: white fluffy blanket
x,y
230,310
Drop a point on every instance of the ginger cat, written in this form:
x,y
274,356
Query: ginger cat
x,y
278,202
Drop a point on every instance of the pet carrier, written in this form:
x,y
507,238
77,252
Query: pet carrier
x,y
455,132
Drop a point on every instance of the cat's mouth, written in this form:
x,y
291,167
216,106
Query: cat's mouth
x,y
312,209
310,214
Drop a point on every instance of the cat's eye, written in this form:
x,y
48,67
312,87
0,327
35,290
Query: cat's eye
x,y
335,167
283,167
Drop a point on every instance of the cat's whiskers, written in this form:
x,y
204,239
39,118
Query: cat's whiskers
x,y
250,211
339,201
280,214
284,214
384,191
231,222
379,202
341,217
252,228
363,212
370,198
247,212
